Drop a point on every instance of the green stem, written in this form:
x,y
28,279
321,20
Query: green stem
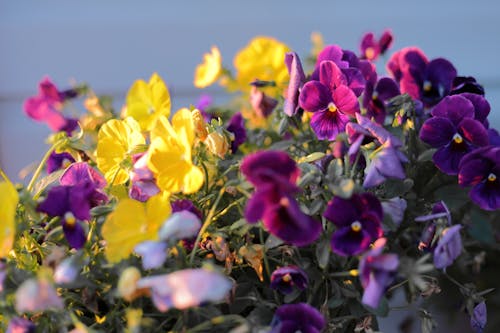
x,y
205,226
266,262
39,170
4,176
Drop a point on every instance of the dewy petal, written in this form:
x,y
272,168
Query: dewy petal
x,y
314,97
437,131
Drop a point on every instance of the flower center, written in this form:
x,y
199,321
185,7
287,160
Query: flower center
x,y
70,219
457,138
332,107
492,177
286,278
427,86
375,95
356,226
284,202
370,53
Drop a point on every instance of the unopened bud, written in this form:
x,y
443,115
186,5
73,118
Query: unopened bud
x,y
200,126
217,144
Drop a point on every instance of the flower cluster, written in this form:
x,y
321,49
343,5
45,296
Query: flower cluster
x,y
301,205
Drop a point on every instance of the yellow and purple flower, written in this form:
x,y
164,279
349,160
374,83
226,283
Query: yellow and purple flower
x,y
59,161
454,131
371,49
439,219
300,317
358,221
377,94
286,279
330,99
481,170
376,272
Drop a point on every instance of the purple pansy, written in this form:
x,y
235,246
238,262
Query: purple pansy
x,y
80,190
331,101
371,48
481,170
47,105
300,317
454,131
185,204
297,80
236,126
143,182
462,84
428,81
358,221
439,219
285,279
182,289
479,317
20,325
377,94
59,161
395,208
153,253
274,174
376,272
262,104
36,295
448,247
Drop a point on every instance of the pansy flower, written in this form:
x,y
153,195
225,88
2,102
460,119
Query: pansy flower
x,y
376,96
143,184
297,80
133,222
47,106
146,101
358,221
59,161
481,170
209,71
331,101
372,48
285,279
428,81
454,131
20,325
300,317
169,155
236,126
262,104
183,289
479,317
115,142
37,294
448,247
462,84
376,272
439,219
9,199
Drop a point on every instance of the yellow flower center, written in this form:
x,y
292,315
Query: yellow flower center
x,y
427,86
492,177
70,219
284,202
286,278
332,107
369,53
458,138
356,226
375,95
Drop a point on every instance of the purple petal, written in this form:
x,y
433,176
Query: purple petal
x,y
330,75
437,131
341,212
314,97
347,242
481,106
345,100
153,253
486,195
447,159
455,108
297,79
474,132
75,234
81,172
326,125
56,203
449,247
478,318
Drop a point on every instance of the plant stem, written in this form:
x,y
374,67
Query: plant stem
x,y
266,262
205,225
38,170
4,176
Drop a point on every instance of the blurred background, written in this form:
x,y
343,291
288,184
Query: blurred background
x,y
109,44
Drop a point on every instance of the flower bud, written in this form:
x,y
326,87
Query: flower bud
x,y
217,144
200,126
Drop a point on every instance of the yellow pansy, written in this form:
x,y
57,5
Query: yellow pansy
x,y
208,72
169,156
146,101
133,222
8,202
264,59
115,143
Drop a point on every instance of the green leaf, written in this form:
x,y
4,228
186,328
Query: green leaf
x,y
312,157
426,155
323,252
46,181
453,195
480,227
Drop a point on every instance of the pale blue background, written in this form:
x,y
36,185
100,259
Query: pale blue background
x,y
109,44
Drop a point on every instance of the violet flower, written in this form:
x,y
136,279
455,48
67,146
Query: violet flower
x,y
466,84
376,272
449,247
481,170
386,162
479,317
3,275
36,295
331,101
297,80
395,208
300,317
439,219
376,96
371,48
187,205
46,107
358,221
143,181
59,161
236,126
20,325
428,81
454,131
183,289
153,253
180,225
285,279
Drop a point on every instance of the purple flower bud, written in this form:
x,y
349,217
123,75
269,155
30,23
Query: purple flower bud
x,y
479,317
286,278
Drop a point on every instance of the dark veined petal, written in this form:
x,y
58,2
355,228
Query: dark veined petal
x,y
347,242
486,195
447,158
326,125
341,212
314,97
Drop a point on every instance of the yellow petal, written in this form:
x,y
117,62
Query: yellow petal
x,y
193,180
9,199
183,125
208,72
158,209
